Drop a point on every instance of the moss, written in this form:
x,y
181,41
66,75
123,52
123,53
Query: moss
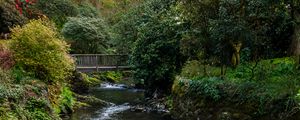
x,y
110,76
90,81
80,82
91,100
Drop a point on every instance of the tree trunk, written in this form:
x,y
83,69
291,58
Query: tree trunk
x,y
223,71
295,45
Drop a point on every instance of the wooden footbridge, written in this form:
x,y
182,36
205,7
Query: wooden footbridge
x,y
101,62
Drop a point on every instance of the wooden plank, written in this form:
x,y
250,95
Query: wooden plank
x,y
99,54
102,67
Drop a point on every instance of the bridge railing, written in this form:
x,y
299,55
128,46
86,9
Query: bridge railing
x,y
101,61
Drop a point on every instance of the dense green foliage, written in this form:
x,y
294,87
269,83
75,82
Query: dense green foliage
x,y
262,26
86,10
87,35
155,55
38,49
57,10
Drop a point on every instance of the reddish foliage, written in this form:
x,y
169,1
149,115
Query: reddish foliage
x,y
24,5
6,59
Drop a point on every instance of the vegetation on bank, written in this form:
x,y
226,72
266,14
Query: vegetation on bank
x,y
38,77
33,77
262,90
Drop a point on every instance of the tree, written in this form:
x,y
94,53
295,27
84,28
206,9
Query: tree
x,y
156,54
86,35
223,28
125,29
56,10
295,12
87,10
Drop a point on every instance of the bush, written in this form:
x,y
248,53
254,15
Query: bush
x,y
67,100
83,31
11,92
6,60
5,76
195,68
207,87
264,71
39,50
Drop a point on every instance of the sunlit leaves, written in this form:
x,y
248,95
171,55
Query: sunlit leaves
x,y
38,49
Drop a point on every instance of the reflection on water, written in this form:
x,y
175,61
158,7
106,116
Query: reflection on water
x,y
120,110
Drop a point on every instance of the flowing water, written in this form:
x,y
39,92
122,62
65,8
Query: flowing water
x,y
122,100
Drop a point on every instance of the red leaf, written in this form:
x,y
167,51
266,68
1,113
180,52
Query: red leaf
x,y
20,10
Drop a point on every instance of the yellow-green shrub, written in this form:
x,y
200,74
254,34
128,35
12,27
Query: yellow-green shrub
x,y
5,77
39,50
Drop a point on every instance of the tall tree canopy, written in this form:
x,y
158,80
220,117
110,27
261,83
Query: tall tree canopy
x,y
86,35
264,27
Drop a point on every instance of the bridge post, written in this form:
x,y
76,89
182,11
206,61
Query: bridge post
x,y
117,64
97,63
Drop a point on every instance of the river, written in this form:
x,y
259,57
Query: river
x,y
122,99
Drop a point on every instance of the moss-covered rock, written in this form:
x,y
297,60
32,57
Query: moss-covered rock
x,y
80,82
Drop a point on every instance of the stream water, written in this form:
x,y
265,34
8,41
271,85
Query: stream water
x,y
122,100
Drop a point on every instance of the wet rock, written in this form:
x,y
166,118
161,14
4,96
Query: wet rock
x,y
77,83
139,86
225,116
123,86
167,116
91,100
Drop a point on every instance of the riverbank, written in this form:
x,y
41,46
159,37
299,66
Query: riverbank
x,y
269,90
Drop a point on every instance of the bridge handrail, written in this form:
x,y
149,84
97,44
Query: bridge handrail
x,y
99,55
101,60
